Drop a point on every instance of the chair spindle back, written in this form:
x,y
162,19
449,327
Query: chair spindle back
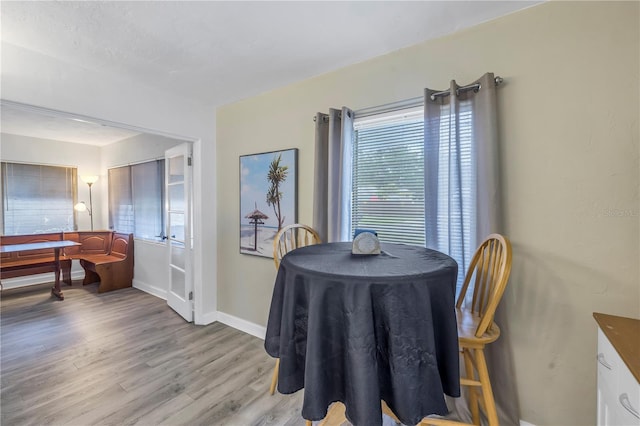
x,y
489,270
292,237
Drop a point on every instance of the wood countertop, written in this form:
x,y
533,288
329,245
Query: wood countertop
x,y
624,335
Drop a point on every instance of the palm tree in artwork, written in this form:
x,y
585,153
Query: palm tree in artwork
x,y
276,175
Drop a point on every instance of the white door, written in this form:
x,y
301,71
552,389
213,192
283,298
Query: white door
x,y
178,229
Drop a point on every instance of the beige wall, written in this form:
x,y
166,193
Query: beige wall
x,y
569,111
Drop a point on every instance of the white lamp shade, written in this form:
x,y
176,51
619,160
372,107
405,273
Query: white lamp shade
x,y
89,179
81,207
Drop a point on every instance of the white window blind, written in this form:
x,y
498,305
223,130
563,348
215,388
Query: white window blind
x,y
120,200
388,176
37,198
136,199
147,180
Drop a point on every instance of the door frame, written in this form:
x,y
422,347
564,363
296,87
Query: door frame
x,y
200,317
181,303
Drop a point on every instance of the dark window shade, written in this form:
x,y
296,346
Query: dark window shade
x,y
136,199
120,200
147,181
37,198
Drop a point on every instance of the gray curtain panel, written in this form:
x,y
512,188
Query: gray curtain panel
x,y
331,204
463,206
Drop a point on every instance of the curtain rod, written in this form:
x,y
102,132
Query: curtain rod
x,y
475,87
391,107
408,103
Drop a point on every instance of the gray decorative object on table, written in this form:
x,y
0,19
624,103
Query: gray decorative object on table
x,y
365,243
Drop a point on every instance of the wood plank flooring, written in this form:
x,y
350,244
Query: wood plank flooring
x,y
125,358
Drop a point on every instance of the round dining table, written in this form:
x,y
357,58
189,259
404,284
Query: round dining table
x,y
365,328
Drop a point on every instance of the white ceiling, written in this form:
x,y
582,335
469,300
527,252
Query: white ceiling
x,y
38,124
217,52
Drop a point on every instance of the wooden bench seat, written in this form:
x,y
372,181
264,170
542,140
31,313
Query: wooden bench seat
x,y
105,256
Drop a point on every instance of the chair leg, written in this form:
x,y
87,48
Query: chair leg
x,y
386,410
487,394
439,421
274,378
473,393
308,423
335,415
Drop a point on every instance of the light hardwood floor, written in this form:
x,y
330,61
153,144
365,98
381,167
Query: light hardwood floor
x,y
124,358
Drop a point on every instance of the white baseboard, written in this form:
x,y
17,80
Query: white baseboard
x,y
75,275
242,325
147,288
206,319
37,279
523,423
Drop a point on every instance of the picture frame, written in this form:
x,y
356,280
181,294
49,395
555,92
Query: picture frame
x,y
268,198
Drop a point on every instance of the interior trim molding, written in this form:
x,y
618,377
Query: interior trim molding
x,y
152,290
207,318
243,325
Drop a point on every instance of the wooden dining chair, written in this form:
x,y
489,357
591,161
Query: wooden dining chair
x,y
489,271
289,238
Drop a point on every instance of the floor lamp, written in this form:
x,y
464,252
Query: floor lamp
x,y
81,206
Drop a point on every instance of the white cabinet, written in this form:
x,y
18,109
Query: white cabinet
x,y
618,389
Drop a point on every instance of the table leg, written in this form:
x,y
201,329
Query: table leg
x,y
56,287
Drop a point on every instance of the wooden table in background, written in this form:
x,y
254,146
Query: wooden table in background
x,y
56,246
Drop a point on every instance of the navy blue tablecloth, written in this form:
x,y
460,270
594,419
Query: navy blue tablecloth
x,y
361,329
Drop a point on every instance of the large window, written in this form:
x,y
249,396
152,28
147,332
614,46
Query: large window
x,y
37,199
388,176
136,199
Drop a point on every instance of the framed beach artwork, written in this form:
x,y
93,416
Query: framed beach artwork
x,y
268,198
